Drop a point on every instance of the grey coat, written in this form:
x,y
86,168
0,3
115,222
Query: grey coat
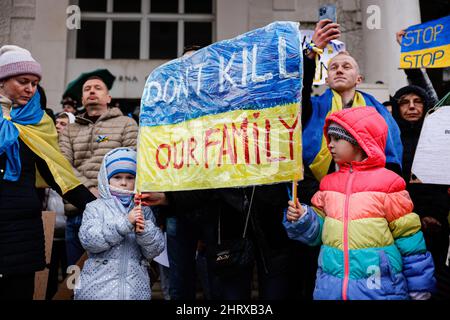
x,y
118,257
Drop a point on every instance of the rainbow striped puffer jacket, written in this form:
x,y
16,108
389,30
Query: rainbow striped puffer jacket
x,y
372,246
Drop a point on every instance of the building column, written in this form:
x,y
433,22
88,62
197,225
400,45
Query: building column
x,y
381,51
231,18
49,45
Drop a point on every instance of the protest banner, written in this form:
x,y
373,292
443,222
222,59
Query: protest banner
x,y
426,45
432,159
228,115
331,50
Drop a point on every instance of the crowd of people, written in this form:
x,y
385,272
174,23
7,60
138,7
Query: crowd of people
x,y
361,228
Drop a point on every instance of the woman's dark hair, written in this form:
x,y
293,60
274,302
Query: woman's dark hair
x,y
51,114
43,97
43,102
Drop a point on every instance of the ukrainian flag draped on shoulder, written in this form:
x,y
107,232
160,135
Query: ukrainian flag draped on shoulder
x,y
315,152
35,128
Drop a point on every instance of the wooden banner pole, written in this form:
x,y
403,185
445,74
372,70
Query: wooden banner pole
x,y
294,192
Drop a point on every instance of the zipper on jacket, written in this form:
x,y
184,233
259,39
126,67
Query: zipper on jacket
x,y
123,267
348,190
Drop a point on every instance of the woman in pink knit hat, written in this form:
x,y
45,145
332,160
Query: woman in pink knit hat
x,y
29,158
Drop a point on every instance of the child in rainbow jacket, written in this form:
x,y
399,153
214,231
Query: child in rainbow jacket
x,y
372,246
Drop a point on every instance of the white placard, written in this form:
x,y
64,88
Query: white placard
x,y
332,49
163,259
432,159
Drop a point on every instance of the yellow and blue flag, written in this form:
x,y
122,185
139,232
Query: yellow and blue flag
x,y
36,129
226,116
426,45
315,151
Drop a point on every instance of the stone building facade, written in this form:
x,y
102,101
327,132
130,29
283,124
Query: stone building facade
x,y
41,26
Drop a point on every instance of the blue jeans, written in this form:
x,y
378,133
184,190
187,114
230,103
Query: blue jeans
x,y
74,248
164,281
183,234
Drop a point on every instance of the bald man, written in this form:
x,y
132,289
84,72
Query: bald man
x,y
343,78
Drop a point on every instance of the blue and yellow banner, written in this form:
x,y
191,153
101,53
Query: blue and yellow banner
x,y
227,115
426,45
36,129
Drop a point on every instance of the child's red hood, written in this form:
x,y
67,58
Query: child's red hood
x,y
368,127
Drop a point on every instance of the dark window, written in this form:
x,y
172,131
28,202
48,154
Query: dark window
x,y
163,40
133,6
92,6
125,41
91,39
198,6
164,6
197,33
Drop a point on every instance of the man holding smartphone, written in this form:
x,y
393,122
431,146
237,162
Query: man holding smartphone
x,y
343,78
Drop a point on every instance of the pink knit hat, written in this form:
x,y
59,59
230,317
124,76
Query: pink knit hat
x,y
15,60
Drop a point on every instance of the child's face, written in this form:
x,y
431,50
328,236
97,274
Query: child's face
x,y
343,151
61,124
123,181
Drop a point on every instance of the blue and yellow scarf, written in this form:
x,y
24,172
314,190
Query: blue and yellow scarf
x,y
315,152
36,129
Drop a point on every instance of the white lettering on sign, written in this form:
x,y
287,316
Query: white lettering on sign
x,y
176,87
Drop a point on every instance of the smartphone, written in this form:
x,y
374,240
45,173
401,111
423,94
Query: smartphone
x,y
328,12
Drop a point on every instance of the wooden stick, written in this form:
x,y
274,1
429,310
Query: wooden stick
x,y
294,192
139,205
139,201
